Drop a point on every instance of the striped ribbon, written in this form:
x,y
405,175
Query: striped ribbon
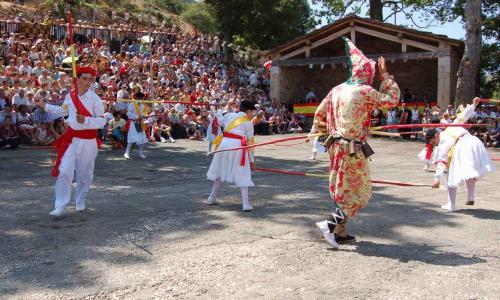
x,y
406,126
375,181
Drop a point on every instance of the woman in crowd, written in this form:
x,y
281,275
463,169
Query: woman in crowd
x,y
9,138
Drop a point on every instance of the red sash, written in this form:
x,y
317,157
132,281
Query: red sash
x,y
215,126
244,143
62,144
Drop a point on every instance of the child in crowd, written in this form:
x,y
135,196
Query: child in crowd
x,y
44,135
116,131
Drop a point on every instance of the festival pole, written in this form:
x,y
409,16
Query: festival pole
x,y
285,172
72,50
304,137
151,90
408,126
486,100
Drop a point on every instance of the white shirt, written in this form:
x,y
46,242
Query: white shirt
x,y
122,95
18,100
415,115
179,107
310,96
447,140
93,104
132,114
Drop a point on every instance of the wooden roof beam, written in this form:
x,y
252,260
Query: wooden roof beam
x,y
396,39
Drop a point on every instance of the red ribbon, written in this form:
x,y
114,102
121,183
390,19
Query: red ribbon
x,y
62,144
428,153
215,126
244,143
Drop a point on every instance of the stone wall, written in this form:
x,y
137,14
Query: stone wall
x,y
419,76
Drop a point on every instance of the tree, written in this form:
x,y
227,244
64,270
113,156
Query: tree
x,y
442,11
487,78
202,16
331,9
263,24
469,66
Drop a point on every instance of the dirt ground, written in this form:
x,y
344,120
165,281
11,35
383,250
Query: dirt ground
x,y
147,234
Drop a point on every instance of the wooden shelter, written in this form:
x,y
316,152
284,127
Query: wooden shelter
x,y
424,63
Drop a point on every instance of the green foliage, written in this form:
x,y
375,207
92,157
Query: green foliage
x,y
202,16
489,66
490,70
441,11
174,6
263,24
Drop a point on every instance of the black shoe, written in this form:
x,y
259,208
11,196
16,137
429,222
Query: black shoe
x,y
468,202
348,239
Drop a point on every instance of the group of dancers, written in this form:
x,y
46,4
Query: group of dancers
x,y
342,118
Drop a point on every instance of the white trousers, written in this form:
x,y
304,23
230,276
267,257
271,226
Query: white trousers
x,y
80,156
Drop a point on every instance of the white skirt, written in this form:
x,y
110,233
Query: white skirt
x,y
226,165
133,136
317,146
423,153
470,160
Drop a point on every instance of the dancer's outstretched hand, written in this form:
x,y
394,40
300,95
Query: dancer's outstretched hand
x,y
381,65
476,101
435,184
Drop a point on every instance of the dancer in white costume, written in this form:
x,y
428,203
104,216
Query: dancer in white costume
x,y
214,128
77,147
234,166
136,113
462,154
317,144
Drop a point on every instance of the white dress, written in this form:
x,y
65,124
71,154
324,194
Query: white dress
x,y
470,157
210,135
317,145
133,136
226,165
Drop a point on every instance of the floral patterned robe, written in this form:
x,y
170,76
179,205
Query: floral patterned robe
x,y
345,111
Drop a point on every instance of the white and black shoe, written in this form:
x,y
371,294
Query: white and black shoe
x,y
326,234
247,207
448,207
58,212
80,208
212,201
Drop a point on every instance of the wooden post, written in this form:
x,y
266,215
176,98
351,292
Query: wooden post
x,y
444,78
275,83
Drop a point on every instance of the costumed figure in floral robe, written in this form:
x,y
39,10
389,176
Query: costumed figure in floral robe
x,y
344,115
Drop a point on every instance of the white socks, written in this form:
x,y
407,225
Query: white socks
x,y
471,187
209,147
129,146
215,189
244,199
452,195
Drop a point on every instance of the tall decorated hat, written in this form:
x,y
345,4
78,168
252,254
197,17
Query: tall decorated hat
x,y
361,68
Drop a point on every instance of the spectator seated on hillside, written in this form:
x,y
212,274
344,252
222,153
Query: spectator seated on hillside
x,y
294,126
9,138
261,126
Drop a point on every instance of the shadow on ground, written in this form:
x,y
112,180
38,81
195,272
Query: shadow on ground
x,y
135,201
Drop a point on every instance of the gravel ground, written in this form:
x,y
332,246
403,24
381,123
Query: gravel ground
x,y
147,235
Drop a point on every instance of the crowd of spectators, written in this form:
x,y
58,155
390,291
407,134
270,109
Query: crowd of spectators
x,y
188,68
410,113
